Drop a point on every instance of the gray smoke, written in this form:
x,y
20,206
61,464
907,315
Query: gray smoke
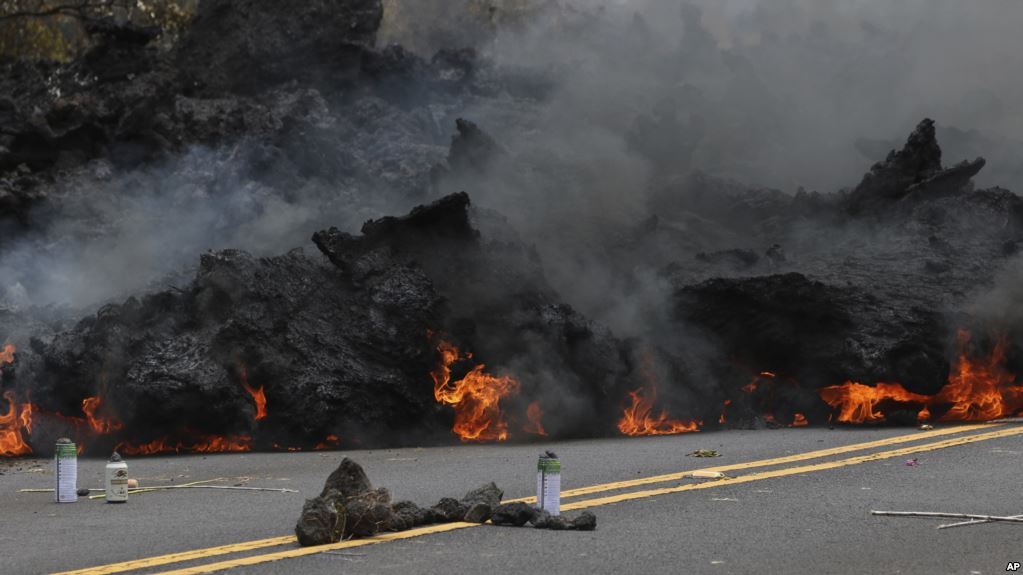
x,y
617,98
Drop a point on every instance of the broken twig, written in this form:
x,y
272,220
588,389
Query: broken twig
x,y
971,522
230,487
949,515
148,489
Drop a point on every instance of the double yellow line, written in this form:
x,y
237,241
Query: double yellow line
x,y
292,552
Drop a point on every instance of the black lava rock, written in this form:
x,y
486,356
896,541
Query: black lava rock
x,y
349,479
322,521
450,509
513,514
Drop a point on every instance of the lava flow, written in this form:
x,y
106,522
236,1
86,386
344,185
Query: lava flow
x,y
14,426
476,397
638,418
257,394
207,444
857,403
331,442
98,423
978,389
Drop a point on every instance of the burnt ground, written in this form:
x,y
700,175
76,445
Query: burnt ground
x,y
868,284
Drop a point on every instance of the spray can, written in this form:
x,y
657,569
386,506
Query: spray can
x,y
548,483
117,480
65,459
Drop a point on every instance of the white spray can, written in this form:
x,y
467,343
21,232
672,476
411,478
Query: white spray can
x,y
548,483
117,480
65,462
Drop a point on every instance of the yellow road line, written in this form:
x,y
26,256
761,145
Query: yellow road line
x,y
182,556
765,462
300,552
275,541
793,470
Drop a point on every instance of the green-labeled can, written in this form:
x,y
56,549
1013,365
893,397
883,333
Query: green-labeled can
x,y
548,483
65,461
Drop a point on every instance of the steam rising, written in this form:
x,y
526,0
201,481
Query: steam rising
x,y
613,100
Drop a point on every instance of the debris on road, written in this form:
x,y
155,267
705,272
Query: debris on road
x,y
971,522
154,488
586,521
514,514
926,427
704,453
979,518
350,507
706,474
912,462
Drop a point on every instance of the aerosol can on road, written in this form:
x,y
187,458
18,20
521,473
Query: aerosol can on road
x,y
117,480
548,483
65,461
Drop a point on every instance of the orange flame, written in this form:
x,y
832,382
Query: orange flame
x,y
857,403
924,414
980,389
638,418
99,424
799,421
257,394
7,354
14,426
329,443
476,397
208,444
535,416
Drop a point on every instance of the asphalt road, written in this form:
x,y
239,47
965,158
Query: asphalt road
x,y
810,515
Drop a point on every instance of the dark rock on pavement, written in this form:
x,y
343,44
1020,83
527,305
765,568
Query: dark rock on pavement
x,y
349,479
322,521
369,513
407,515
513,514
585,521
481,502
449,509
489,494
478,513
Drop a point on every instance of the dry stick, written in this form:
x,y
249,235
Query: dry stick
x,y
148,489
952,515
230,487
971,522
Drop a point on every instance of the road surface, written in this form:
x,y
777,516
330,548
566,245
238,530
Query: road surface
x,y
796,501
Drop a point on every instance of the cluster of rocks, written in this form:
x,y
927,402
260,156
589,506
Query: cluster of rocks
x,y
350,507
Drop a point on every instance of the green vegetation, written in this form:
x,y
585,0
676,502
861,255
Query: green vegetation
x,y
56,29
